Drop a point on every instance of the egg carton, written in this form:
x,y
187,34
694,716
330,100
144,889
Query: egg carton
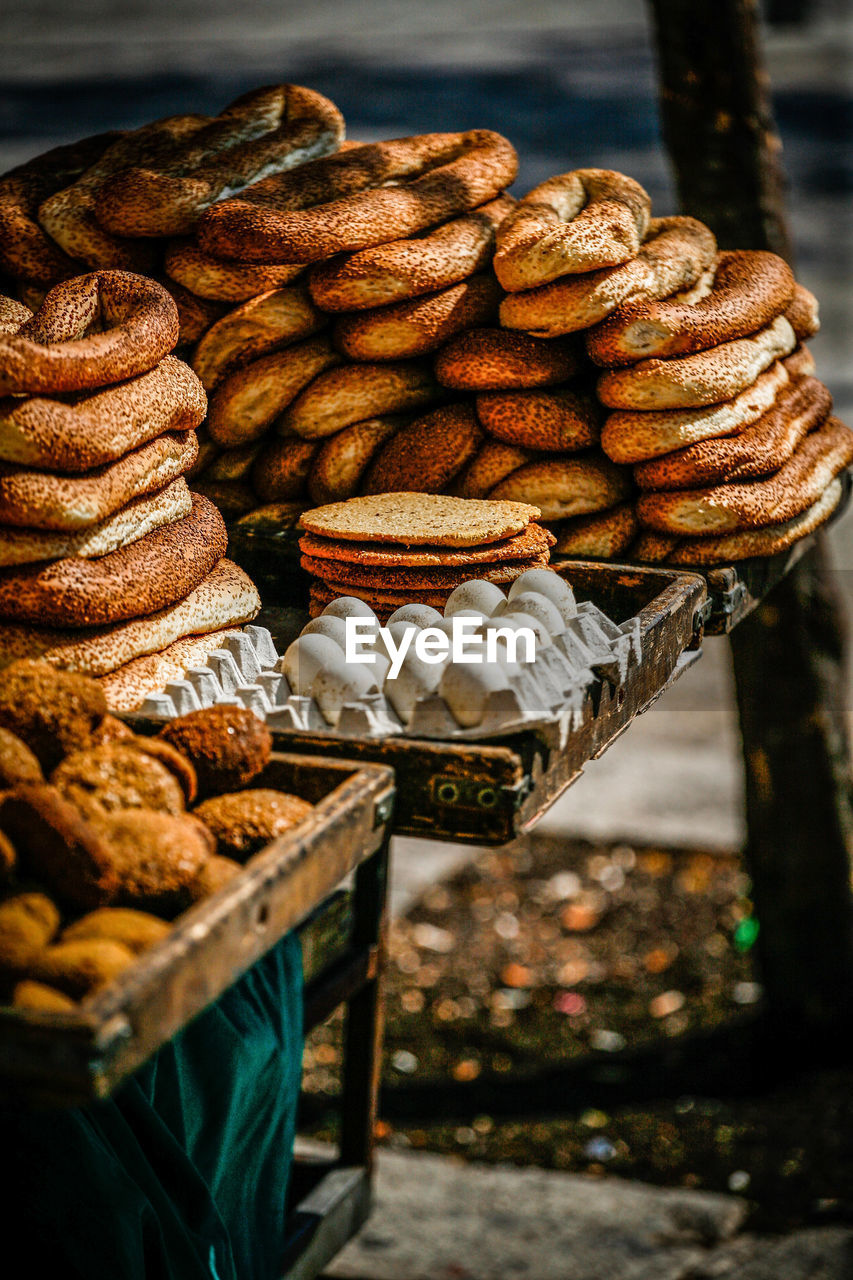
x,y
327,696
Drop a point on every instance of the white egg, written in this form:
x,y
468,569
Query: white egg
x,y
422,615
520,622
466,689
397,631
546,582
481,597
340,683
328,624
349,607
306,657
536,606
415,679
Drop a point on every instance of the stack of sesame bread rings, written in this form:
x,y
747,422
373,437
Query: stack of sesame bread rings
x,y
384,317
106,556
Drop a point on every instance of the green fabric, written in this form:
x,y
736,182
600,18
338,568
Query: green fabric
x,y
183,1173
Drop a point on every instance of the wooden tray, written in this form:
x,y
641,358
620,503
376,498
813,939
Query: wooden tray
x,y
488,793
73,1058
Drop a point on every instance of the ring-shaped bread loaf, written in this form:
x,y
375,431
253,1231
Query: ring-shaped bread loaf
x,y
138,579
418,325
499,360
270,321
751,288
360,198
410,268
728,507
354,392
673,258
571,486
54,351
578,221
222,281
758,450
707,377
558,421
342,460
600,536
87,430
424,456
265,131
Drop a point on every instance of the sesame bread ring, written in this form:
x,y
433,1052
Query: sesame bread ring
x,y
68,215
360,198
397,578
562,487
496,360
246,402
725,508
274,319
757,451
751,288
674,257
800,363
425,456
140,578
578,221
225,598
600,536
195,315
491,464
126,688
265,131
802,313
221,281
707,377
13,314
232,464
26,252
559,421
340,463
355,392
410,268
754,542
532,541
280,471
234,498
656,548
140,516
88,430
635,436
418,325
43,500
50,352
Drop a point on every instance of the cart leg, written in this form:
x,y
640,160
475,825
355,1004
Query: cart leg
x,y
364,1019
718,125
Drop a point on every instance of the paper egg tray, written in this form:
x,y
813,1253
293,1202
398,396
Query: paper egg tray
x,y
550,691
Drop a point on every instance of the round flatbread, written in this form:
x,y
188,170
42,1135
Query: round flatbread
x,y
417,518
532,541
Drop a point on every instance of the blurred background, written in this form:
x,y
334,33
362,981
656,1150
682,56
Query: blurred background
x,y
571,83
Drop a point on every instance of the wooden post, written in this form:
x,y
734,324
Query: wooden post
x,y
718,126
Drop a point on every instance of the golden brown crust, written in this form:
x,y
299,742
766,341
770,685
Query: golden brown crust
x,y
751,288
674,256
577,221
215,873
532,541
570,486
403,579
342,460
43,500
154,856
360,198
778,498
707,377
247,401
13,315
88,430
497,360
635,436
222,281
492,463
82,965
418,325
195,315
410,268
281,469
234,498
269,321
603,535
101,779
50,352
352,393
28,922
413,519
424,456
126,688
136,930
755,451
802,313
265,131
227,746
59,846
29,994
17,762
559,421
242,822
52,712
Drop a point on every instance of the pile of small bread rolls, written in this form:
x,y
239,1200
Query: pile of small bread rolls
x,y
385,317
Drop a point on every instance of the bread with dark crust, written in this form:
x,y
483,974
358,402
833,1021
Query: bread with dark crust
x,y
227,746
